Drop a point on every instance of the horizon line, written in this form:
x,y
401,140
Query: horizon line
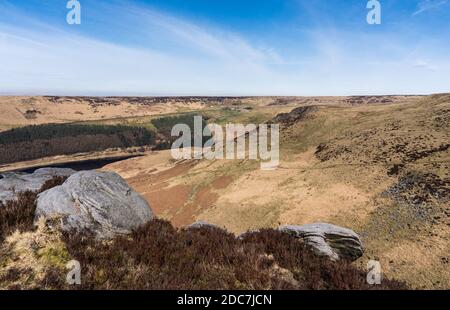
x,y
112,95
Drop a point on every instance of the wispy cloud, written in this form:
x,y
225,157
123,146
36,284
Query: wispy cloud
x,y
125,50
200,58
426,5
207,39
424,64
225,45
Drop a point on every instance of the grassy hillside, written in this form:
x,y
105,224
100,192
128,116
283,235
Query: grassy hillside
x,y
378,165
381,169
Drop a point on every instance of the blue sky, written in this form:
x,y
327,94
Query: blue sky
x,y
218,47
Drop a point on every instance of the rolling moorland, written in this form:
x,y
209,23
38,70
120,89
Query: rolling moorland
x,y
378,165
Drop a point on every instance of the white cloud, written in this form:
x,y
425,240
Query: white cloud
x,y
426,5
424,64
225,45
75,64
46,59
151,53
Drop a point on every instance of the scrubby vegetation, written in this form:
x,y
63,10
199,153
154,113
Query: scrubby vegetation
x,y
63,139
159,256
19,214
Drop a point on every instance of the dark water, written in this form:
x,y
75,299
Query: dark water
x,y
90,164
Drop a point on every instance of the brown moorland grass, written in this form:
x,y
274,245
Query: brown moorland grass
x,y
159,256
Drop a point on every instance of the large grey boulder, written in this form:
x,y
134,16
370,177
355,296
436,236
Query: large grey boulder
x,y
328,240
12,183
98,202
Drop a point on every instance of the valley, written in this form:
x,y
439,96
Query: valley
x,y
378,165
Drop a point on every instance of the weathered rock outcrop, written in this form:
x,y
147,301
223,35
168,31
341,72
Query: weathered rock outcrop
x,y
99,202
298,114
12,183
328,240
202,224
